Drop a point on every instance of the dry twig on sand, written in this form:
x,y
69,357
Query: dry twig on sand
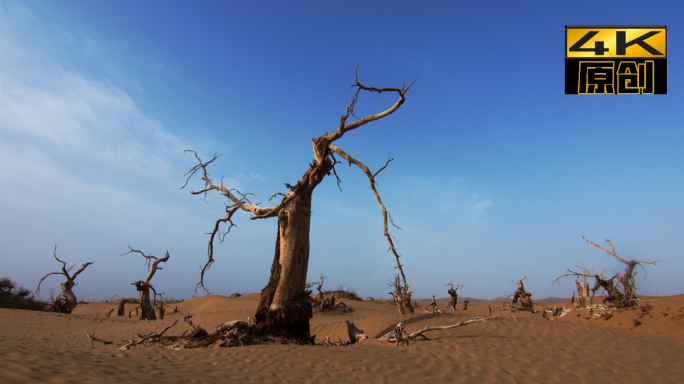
x,y
151,336
93,339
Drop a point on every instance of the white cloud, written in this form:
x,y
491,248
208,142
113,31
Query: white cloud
x,y
251,177
80,164
453,197
479,208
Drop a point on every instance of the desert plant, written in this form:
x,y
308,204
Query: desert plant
x,y
12,296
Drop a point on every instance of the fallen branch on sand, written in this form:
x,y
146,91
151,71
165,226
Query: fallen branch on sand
x,y
150,336
399,334
93,339
556,312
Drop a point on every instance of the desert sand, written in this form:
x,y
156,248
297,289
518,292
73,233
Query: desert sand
x,y
50,347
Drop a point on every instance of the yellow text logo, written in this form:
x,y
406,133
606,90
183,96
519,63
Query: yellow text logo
x,y
615,42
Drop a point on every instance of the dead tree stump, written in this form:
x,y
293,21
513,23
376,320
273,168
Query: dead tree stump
x,y
355,334
433,304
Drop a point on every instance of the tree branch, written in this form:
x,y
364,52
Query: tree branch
x,y
385,213
148,262
253,208
41,280
83,267
344,127
65,272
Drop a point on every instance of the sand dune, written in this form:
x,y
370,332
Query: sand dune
x,y
49,347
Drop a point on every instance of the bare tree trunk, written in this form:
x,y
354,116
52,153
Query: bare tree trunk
x,y
433,304
401,296
453,301
626,279
283,308
145,305
122,308
69,294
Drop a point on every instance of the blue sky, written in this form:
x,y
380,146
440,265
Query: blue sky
x,y
497,172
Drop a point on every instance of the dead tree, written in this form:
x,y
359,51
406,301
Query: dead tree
x,y
121,310
454,296
283,308
68,302
522,296
401,296
465,305
585,295
433,304
320,289
614,296
160,306
626,280
322,304
144,286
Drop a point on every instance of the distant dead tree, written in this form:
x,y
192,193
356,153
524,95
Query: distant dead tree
x,y
66,301
121,310
283,309
522,296
585,295
320,288
625,297
328,304
401,296
433,304
454,296
144,286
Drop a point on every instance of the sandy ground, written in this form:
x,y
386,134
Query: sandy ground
x,y
49,347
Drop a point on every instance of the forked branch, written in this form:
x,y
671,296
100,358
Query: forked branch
x,y
346,127
148,262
